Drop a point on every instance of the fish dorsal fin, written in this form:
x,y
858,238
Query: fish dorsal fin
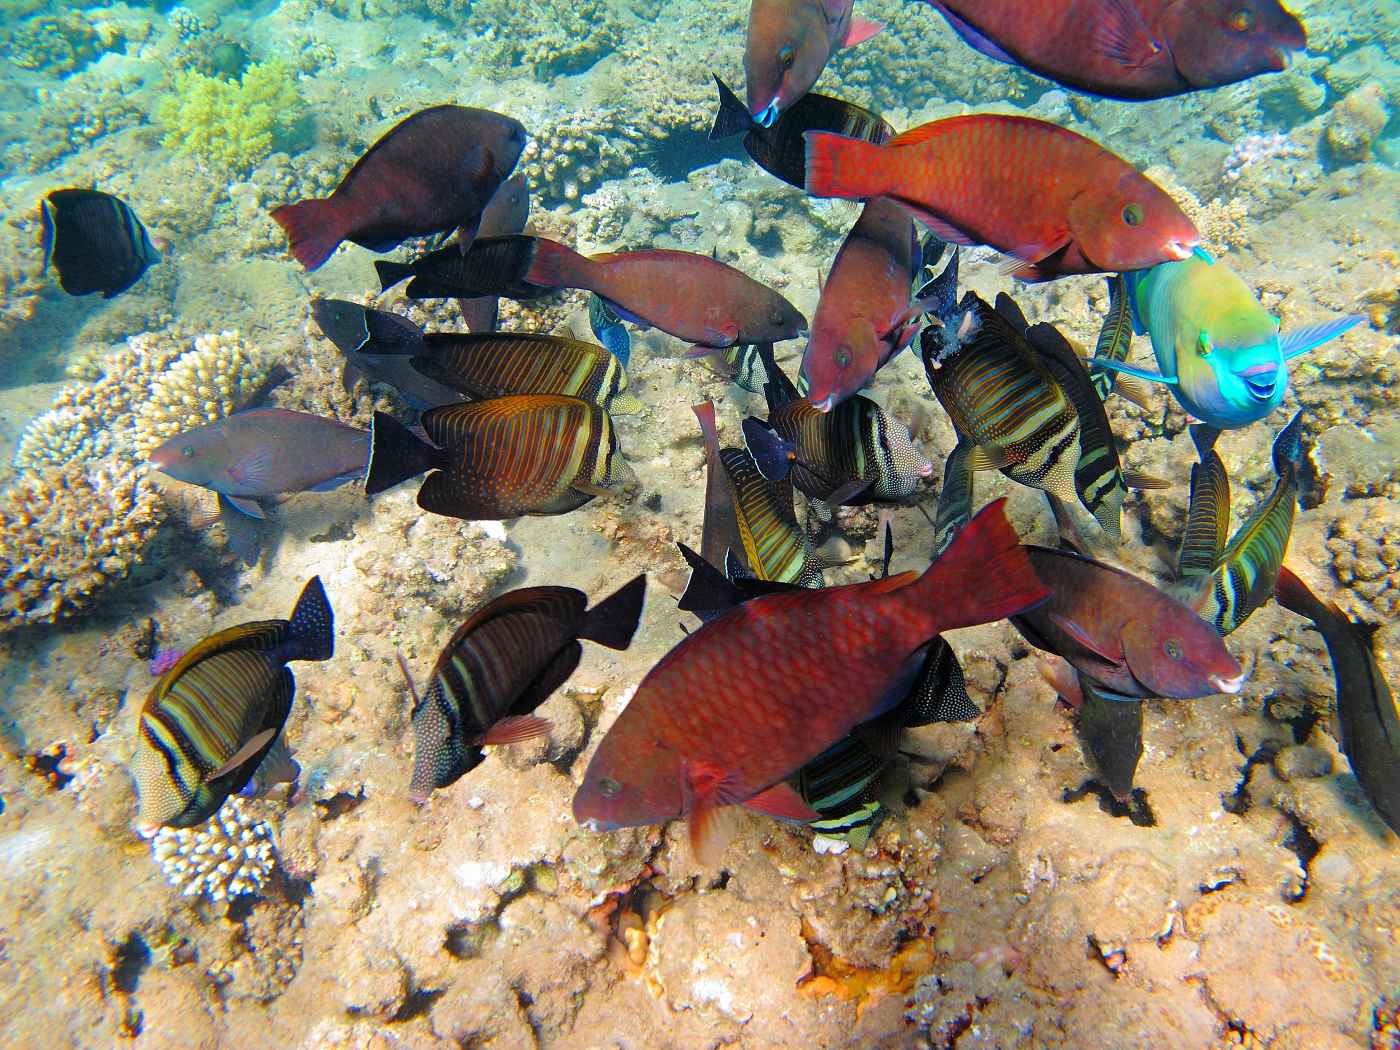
x,y
922,133
782,801
260,635
1006,306
888,584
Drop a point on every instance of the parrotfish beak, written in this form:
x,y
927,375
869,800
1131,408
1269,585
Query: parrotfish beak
x,y
1179,250
147,831
1229,685
826,404
768,115
1261,380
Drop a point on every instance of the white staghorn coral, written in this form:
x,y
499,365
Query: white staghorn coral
x,y
229,855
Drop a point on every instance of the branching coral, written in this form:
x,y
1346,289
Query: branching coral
x,y
570,154
229,855
231,124
68,531
1221,222
56,45
216,378
550,38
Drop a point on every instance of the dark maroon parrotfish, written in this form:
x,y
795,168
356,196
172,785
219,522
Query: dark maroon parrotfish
x,y
432,173
265,452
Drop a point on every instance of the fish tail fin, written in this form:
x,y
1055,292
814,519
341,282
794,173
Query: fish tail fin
x,y
313,229
311,629
557,265
841,166
1288,446
613,621
983,576
705,414
733,116
708,589
391,272
396,454
1297,597
1203,436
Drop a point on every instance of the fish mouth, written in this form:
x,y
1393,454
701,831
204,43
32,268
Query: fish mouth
x,y
926,471
1228,685
1260,380
826,404
147,831
1178,250
768,115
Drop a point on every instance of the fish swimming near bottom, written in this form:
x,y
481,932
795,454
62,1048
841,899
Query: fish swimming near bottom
x,y
502,458
501,664
381,345
265,452
94,241
489,266
210,721
1133,639
740,704
1243,575
1366,711
853,454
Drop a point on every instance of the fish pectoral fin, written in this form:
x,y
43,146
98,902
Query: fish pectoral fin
x,y
1123,36
1123,368
711,830
1137,480
974,37
1132,389
984,457
772,454
1061,678
723,337
253,468
1086,641
1301,340
782,801
516,728
861,30
246,505
701,350
939,225
247,751
848,491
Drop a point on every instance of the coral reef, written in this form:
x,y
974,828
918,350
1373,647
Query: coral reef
x,y
227,124
230,855
550,38
1365,556
570,153
1223,223
56,44
218,376
1260,149
1356,122
68,532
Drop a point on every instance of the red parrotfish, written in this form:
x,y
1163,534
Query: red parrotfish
x,y
751,696
1055,200
1123,634
1132,49
255,455
789,44
692,297
863,317
432,173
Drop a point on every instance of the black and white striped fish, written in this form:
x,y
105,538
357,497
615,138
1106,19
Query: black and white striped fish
x,y
1208,520
212,719
1003,400
1244,575
1114,342
851,455
500,665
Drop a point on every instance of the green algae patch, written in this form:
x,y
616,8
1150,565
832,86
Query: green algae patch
x,y
231,124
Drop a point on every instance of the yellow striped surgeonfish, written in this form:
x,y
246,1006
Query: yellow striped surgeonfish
x,y
211,719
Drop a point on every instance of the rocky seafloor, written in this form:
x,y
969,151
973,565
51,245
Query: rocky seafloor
x,y
1249,897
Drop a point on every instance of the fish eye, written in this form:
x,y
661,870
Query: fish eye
x,y
1242,21
608,787
187,451
1132,214
1172,648
842,357
786,55
1204,345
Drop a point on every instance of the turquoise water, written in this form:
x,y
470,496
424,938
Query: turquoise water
x,y
1244,894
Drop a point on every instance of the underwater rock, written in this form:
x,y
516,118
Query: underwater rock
x,y
1356,122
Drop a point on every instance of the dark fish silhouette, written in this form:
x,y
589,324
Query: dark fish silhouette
x,y
382,345
780,149
506,214
503,663
94,241
488,267
434,172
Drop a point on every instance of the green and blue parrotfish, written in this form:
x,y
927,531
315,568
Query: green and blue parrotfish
x,y
1245,572
1217,348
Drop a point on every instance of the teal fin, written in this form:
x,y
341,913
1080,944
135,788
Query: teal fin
x,y
1132,370
1301,340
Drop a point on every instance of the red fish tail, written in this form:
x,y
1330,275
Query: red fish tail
x,y
705,414
313,229
984,575
557,265
840,166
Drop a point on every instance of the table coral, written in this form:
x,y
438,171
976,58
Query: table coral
x,y
67,532
231,124
229,855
